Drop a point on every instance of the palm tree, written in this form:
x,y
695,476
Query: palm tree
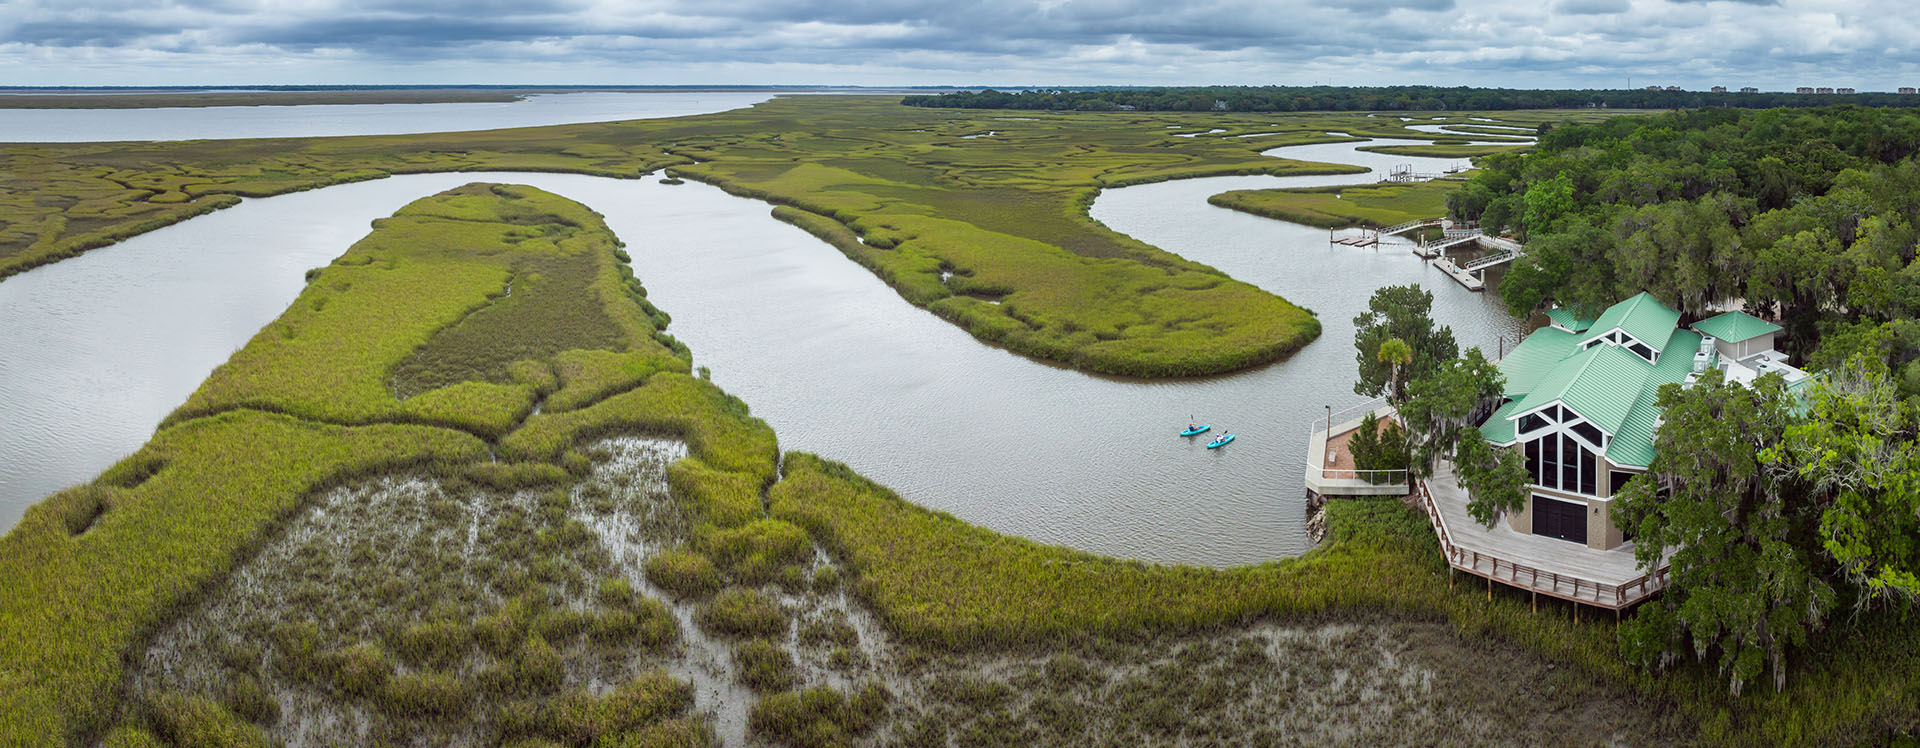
x,y
1396,353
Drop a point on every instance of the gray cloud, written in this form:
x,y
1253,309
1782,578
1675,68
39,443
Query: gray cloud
x,y
1577,43
1591,7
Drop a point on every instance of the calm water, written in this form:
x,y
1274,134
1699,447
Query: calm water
x,y
216,123
827,353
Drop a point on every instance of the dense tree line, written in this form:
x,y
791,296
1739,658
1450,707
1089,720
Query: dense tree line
x,y
1783,512
1380,98
1807,215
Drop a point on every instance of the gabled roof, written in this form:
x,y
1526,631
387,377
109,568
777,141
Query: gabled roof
x,y
1633,443
1734,327
1600,383
1641,316
1498,429
1565,318
1529,362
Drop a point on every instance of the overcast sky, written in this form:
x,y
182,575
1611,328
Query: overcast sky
x,y
1772,44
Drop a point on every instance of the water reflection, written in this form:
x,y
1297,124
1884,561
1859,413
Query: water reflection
x,y
841,366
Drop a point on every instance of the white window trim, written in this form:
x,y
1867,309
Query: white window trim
x,y
1623,339
1553,426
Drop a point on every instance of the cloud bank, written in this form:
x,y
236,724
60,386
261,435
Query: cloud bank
x,y
1771,44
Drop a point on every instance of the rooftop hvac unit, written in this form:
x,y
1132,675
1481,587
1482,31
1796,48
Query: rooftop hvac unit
x,y
1701,361
1706,344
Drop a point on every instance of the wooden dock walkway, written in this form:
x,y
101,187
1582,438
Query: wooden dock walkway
x,y
1540,565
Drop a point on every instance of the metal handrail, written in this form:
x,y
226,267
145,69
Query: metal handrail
x,y
1399,227
1325,426
1491,260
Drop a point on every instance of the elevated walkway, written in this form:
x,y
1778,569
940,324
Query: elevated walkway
x,y
1498,258
1538,564
1411,225
1434,249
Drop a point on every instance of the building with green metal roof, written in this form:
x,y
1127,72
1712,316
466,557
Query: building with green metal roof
x,y
1580,403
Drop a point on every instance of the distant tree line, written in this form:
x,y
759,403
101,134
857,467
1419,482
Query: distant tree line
x,y
1381,98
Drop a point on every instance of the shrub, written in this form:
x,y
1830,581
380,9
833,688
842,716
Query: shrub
x,y
424,694
763,665
244,695
684,573
199,722
739,611
819,717
753,552
359,670
436,643
674,733
535,668
580,718
647,623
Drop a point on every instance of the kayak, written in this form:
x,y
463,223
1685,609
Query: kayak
x,y
1196,429
1220,442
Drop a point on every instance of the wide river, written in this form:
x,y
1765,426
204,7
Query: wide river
x,y
316,120
100,347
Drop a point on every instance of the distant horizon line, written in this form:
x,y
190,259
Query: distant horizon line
x,y
815,87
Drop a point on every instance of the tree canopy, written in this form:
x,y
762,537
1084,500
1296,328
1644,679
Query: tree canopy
x,y
1805,214
1398,321
1378,98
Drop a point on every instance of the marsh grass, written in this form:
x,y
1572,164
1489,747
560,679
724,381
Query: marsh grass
x,y
379,589
439,608
1008,213
1341,207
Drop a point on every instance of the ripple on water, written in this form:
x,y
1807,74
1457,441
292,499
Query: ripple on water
x,y
828,354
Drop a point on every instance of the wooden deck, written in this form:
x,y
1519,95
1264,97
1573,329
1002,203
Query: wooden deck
x,y
1336,475
1558,568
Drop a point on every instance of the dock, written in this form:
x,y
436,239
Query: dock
x,y
1465,278
1363,239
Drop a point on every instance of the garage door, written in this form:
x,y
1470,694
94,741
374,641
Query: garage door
x,y
1560,519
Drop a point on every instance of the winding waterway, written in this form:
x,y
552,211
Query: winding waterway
x,y
102,346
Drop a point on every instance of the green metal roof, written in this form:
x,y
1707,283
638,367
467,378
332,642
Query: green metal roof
x,y
1633,443
1600,383
1566,318
1734,327
1641,316
1529,362
1498,429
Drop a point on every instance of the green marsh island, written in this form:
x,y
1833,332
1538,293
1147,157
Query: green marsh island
x,y
469,489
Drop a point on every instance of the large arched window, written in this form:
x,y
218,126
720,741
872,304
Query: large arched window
x,y
1563,450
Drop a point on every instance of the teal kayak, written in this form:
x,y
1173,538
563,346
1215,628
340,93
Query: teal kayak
x,y
1196,429
1224,440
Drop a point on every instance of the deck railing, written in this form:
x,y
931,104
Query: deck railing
x,y
1399,227
1615,596
1322,428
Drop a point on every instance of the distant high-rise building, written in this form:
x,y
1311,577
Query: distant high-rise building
x,y
1823,90
1718,89
1749,89
1803,90
1843,90
1908,90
